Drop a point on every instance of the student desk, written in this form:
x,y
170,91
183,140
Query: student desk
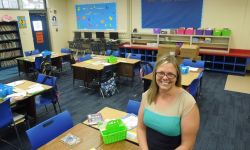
x,y
110,113
25,63
88,70
89,138
186,79
29,100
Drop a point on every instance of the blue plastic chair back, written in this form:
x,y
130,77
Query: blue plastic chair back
x,y
197,63
50,80
35,52
133,56
49,129
133,107
6,114
193,87
28,53
66,50
108,52
38,62
85,57
116,53
148,67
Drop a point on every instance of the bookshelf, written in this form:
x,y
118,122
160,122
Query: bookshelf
x,y
10,44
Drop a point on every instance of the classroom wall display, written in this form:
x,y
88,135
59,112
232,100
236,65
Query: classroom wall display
x,y
96,16
171,13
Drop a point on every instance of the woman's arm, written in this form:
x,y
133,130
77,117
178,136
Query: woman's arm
x,y
189,128
141,129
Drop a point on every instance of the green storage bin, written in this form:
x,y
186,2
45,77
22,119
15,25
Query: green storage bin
x,y
112,59
217,32
115,131
226,32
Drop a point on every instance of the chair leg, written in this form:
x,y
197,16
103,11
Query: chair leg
x,y
102,93
55,108
46,108
18,136
59,106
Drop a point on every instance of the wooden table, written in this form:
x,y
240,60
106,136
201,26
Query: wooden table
x,y
110,113
89,138
29,100
88,70
186,79
25,63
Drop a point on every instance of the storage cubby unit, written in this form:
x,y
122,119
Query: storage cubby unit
x,y
147,54
227,63
10,44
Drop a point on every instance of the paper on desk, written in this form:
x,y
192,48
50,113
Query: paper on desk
x,y
130,120
16,83
17,90
16,94
193,69
35,89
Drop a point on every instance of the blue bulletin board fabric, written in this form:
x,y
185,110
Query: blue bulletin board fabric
x,y
96,16
171,13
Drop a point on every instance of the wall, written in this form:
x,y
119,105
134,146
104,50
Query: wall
x,y
25,33
59,34
224,13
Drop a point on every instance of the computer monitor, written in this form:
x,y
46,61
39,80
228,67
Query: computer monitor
x,y
88,35
100,35
113,35
77,36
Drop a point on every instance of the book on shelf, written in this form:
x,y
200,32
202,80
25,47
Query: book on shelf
x,y
95,118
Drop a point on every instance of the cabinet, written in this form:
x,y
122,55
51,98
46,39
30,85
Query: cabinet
x,y
148,54
225,63
10,44
206,43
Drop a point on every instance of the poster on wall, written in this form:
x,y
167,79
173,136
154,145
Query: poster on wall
x,y
21,22
100,16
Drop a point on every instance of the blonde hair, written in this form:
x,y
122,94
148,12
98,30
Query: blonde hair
x,y
154,88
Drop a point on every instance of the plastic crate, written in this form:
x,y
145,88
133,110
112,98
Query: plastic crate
x,y
208,31
112,59
5,90
115,131
180,31
217,32
226,32
199,31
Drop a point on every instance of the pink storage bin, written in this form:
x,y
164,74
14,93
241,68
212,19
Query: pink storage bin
x,y
189,31
180,31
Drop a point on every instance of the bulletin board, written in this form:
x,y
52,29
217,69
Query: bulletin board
x,y
101,16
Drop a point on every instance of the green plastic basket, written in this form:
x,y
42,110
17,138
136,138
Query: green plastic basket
x,y
115,131
112,59
217,32
226,32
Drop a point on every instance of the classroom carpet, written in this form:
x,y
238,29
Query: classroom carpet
x,y
238,83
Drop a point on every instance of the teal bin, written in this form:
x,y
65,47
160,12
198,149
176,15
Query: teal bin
x,y
226,32
217,32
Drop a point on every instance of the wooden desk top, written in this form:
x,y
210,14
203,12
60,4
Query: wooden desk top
x,y
89,138
110,113
99,61
26,85
122,145
186,79
32,58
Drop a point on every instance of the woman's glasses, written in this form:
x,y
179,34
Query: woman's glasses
x,y
168,74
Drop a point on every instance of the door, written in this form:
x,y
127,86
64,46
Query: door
x,y
39,28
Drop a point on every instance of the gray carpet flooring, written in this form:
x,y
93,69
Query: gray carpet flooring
x,y
225,122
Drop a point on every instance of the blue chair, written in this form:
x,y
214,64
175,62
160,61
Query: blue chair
x,y
133,56
49,129
193,88
66,50
147,68
38,62
116,53
7,119
35,52
28,53
85,57
191,63
133,107
49,97
108,52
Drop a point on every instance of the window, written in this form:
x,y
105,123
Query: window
x,y
9,4
33,4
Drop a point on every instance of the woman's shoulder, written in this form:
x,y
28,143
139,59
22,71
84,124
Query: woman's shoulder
x,y
186,97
